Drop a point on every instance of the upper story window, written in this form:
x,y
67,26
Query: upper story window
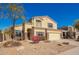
x,y
50,25
38,23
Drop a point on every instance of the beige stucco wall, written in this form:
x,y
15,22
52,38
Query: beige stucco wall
x,y
26,27
45,21
18,27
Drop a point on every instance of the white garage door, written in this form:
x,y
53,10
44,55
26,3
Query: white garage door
x,y
54,36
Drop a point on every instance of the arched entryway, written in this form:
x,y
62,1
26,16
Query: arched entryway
x,y
29,30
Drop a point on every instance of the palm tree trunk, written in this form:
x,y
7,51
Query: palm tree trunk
x,y
23,31
13,29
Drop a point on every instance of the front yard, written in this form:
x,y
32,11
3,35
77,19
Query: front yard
x,y
42,48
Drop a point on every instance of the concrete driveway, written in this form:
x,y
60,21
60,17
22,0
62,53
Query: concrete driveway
x,y
74,51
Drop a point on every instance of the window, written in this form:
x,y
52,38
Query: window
x,y
18,33
50,25
40,33
38,23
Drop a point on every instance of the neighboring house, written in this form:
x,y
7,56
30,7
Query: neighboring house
x,y
41,26
77,33
69,32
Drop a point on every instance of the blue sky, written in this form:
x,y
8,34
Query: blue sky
x,y
63,14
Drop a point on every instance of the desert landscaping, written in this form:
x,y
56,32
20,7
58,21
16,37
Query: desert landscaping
x,y
41,48
38,34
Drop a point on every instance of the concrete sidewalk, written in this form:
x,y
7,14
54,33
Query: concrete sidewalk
x,y
74,51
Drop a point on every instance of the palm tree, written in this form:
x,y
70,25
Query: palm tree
x,y
23,28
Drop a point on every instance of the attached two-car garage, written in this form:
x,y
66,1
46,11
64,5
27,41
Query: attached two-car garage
x,y
54,35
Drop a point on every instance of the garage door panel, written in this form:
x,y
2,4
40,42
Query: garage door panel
x,y
53,36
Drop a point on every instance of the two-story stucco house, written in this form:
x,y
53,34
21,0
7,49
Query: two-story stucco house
x,y
41,26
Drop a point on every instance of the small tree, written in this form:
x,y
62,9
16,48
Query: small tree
x,y
14,12
76,25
